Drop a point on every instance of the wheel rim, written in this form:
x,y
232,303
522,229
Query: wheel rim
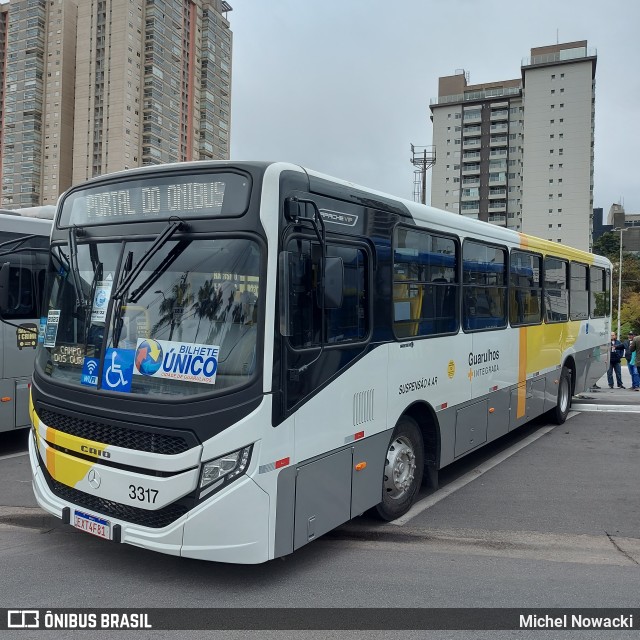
x,y
564,395
400,469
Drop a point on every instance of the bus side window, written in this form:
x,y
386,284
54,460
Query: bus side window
x,y
556,292
349,322
21,293
425,288
485,286
525,289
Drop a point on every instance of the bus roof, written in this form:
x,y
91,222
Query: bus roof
x,y
444,220
23,225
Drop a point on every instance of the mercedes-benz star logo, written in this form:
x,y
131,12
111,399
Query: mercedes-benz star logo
x,y
94,479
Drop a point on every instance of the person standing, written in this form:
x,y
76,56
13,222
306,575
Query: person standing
x,y
617,351
631,361
634,347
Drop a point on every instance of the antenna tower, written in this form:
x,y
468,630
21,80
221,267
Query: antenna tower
x,y
422,158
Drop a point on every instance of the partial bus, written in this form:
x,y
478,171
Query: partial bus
x,y
238,357
24,244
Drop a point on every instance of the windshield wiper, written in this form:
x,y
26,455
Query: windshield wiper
x,y
81,301
172,256
126,282
117,303
98,270
18,248
130,274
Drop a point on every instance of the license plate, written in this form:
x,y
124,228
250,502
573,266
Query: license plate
x,y
92,524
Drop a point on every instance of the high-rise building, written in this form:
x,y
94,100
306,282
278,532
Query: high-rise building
x,y
519,152
88,87
4,15
37,80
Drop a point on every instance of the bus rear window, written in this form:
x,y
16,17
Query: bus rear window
x,y
189,195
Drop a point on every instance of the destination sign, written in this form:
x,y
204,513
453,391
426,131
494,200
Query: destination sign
x,y
181,195
171,198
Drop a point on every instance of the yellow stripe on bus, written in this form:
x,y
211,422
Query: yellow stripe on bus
x,y
522,373
65,468
75,443
521,408
32,414
541,347
548,247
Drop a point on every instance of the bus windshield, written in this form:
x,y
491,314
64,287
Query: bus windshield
x,y
186,325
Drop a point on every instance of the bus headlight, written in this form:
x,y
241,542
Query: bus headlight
x,y
224,469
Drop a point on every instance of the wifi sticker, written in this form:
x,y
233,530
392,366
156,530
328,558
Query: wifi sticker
x,y
89,374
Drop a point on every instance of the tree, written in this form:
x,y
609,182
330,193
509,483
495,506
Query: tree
x,y
206,306
172,308
630,313
608,245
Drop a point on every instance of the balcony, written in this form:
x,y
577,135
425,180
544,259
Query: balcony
x,y
499,141
560,56
470,197
471,131
471,170
471,182
499,179
500,206
499,114
497,193
501,127
471,143
477,95
471,117
498,220
497,154
472,155
471,214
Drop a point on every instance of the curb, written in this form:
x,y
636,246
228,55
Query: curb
x,y
618,408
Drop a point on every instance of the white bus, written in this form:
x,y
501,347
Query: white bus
x,y
239,357
24,243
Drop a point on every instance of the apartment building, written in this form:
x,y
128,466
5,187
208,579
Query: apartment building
x,y
88,87
519,152
36,91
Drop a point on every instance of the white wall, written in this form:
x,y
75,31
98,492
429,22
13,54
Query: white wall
x,y
566,202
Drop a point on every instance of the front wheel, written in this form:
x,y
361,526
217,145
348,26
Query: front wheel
x,y
403,470
563,404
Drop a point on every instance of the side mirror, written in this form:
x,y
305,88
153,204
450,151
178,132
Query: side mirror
x,y
292,209
4,287
333,283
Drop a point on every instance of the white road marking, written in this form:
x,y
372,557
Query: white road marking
x,y
14,455
472,475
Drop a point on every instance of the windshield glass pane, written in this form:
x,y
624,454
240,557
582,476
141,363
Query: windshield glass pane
x,y
186,325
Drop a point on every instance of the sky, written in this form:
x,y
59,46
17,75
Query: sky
x,y
344,87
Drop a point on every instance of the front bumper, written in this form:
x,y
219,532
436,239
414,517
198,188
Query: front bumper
x,y
231,526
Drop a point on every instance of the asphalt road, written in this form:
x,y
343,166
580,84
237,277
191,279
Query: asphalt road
x,y
555,524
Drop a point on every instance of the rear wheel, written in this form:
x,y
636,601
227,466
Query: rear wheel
x,y
403,470
563,404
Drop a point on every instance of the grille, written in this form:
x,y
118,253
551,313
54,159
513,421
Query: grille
x,y
116,436
134,515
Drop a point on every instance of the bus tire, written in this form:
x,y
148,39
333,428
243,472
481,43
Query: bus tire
x,y
403,470
563,404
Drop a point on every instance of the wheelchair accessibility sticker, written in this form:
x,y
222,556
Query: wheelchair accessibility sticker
x,y
118,369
